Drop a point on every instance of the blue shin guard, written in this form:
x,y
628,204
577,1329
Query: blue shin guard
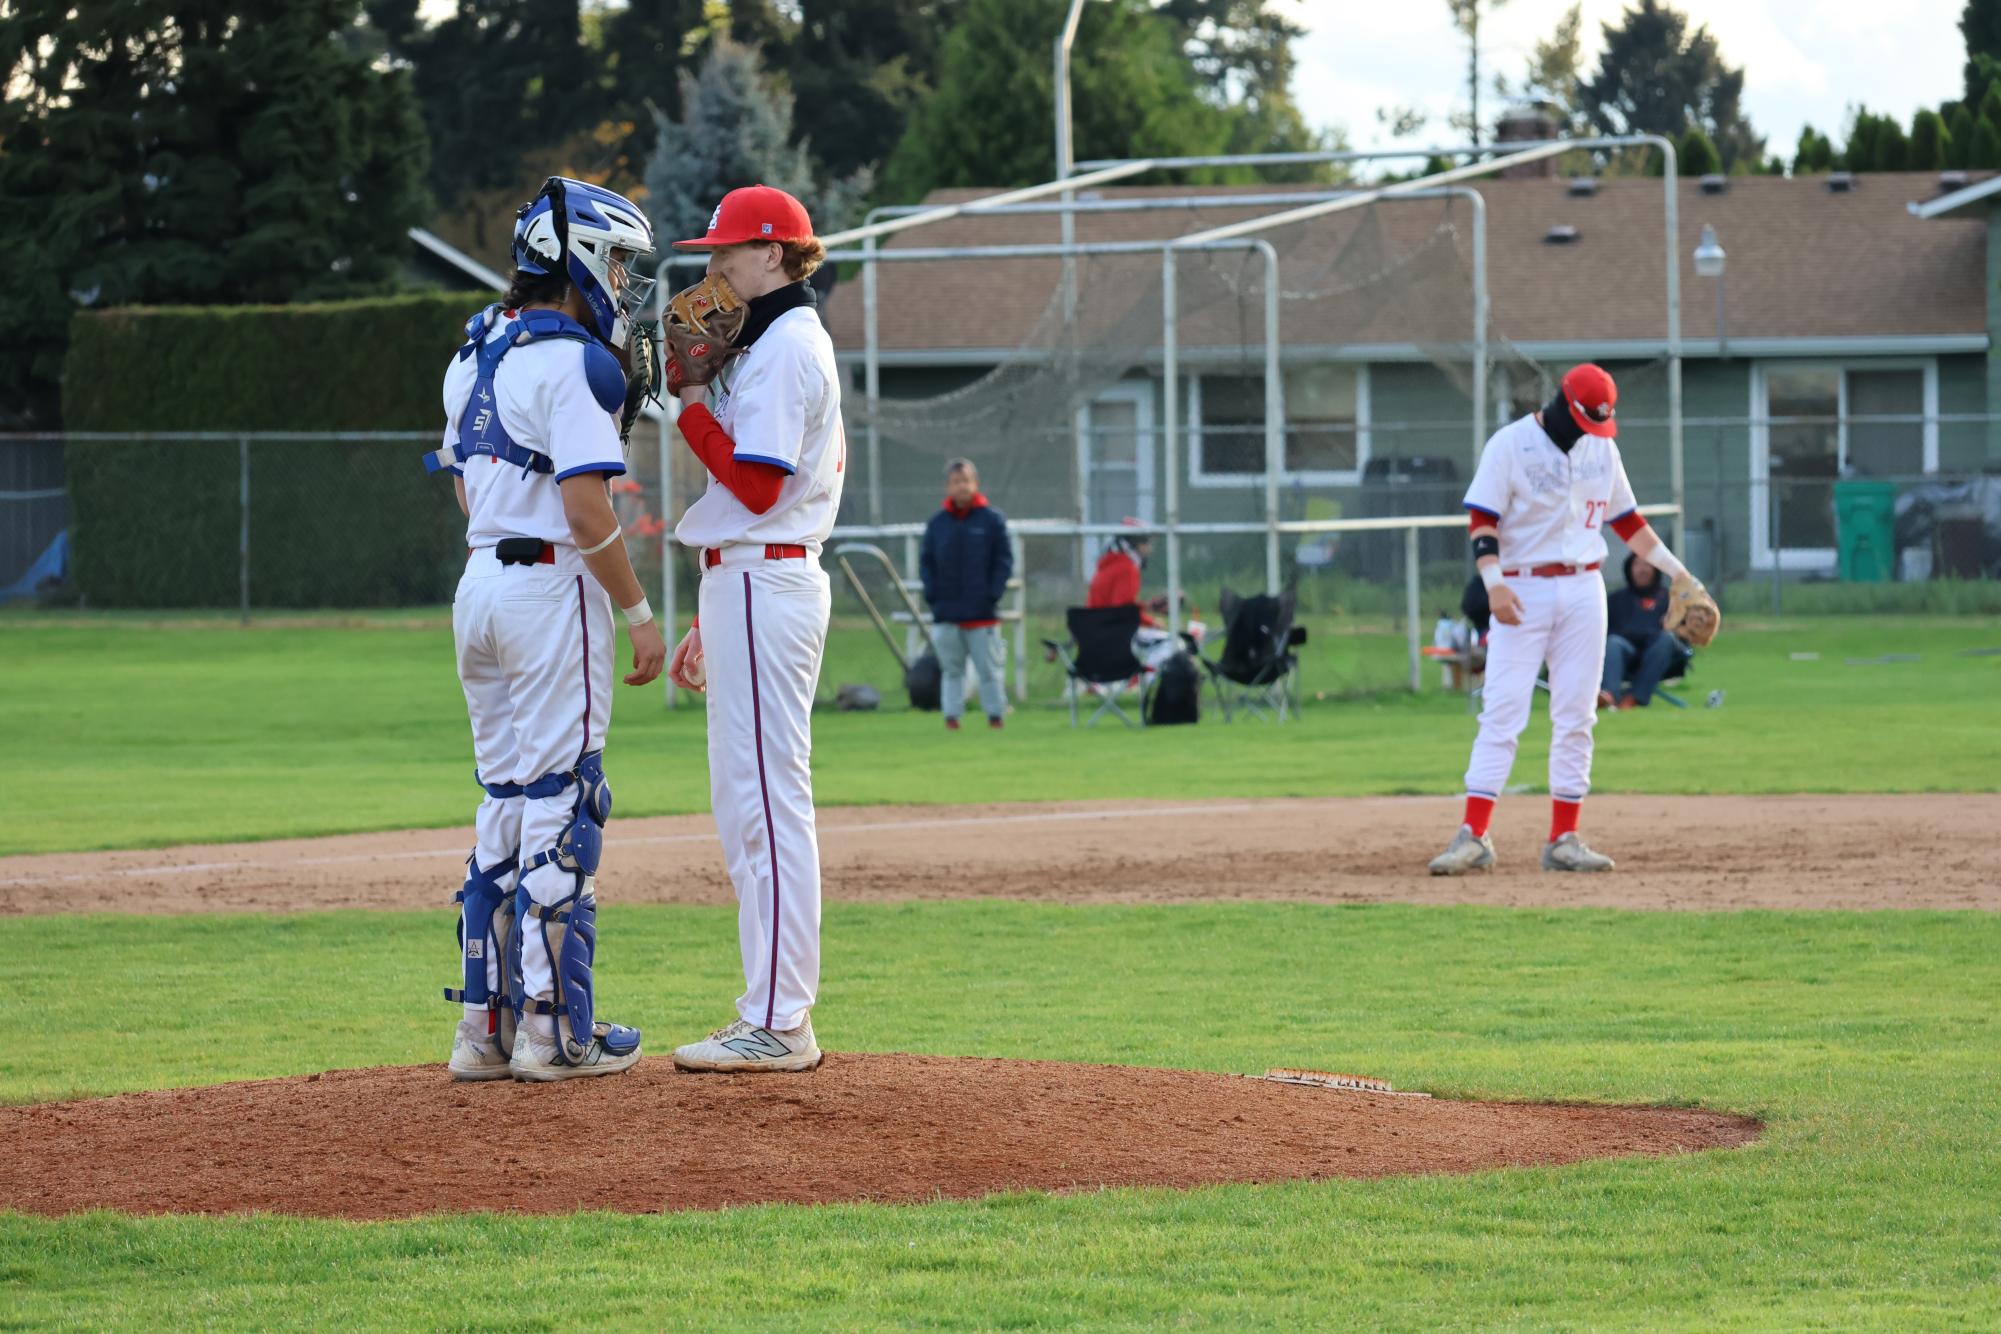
x,y
568,927
486,932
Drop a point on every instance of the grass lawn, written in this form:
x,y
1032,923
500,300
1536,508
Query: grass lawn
x,y
128,733
1867,1041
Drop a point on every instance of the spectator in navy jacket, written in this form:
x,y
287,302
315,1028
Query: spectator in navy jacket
x,y
966,562
1638,651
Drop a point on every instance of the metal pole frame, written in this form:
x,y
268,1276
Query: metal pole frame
x,y
1518,154
1274,377
1170,354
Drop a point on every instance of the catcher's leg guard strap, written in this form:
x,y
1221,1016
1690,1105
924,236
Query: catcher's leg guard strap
x,y
581,845
485,931
569,933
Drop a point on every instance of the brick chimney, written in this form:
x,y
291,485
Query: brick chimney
x,y
1527,123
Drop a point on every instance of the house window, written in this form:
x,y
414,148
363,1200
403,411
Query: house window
x,y
1326,432
1818,423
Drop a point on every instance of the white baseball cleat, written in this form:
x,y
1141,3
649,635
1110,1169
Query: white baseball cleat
x,y
477,1054
1469,852
744,1048
613,1048
1569,854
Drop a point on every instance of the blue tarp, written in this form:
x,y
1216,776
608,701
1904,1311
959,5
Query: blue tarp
x,y
52,564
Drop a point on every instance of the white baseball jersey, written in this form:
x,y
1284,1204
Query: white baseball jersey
x,y
546,403
535,642
780,403
1551,506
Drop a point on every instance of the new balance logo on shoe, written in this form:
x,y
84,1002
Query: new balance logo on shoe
x,y
758,1044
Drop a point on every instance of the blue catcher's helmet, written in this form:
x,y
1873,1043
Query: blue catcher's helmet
x,y
593,237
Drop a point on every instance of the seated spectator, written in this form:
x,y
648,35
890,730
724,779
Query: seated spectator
x,y
1638,652
1116,581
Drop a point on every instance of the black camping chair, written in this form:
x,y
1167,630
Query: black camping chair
x,y
1258,671
1100,653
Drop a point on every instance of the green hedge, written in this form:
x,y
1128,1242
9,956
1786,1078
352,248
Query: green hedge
x,y
332,523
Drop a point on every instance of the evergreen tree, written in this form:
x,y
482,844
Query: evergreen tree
x,y
1959,136
1860,152
1893,149
157,152
1657,76
1241,50
857,68
497,79
1698,154
1986,154
1554,72
735,129
1980,25
1931,145
990,123
1814,154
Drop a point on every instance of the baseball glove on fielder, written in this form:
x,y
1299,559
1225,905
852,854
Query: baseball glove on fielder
x,y
1692,613
702,324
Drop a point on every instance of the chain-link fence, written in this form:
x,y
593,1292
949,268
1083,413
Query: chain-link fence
x,y
257,522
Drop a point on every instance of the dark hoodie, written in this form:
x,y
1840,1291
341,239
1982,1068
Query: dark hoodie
x,y
1635,614
965,563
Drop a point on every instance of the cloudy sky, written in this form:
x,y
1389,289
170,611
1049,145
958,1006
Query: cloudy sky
x,y
1805,61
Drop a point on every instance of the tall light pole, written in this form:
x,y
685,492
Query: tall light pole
x,y
1709,263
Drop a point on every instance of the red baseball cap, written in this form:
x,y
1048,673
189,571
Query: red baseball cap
x,y
754,213
1592,397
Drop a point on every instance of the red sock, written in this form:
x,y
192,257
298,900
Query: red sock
x,y
1479,813
1563,817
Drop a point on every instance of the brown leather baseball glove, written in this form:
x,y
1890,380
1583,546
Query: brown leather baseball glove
x,y
1692,613
701,326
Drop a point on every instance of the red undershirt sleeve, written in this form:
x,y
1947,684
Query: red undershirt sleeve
x,y
1627,524
755,484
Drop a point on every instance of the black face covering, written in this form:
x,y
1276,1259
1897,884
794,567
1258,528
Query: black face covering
x,y
764,309
1557,421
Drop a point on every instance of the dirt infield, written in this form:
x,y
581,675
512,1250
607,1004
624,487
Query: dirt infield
x,y
393,1142
1932,851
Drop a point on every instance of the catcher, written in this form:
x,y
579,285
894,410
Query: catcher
x,y
1546,488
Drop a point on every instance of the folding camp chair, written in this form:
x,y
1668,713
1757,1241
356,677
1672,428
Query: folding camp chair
x,y
1100,654
1258,670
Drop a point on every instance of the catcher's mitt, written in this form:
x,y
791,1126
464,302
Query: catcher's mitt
x,y
1692,613
642,381
701,326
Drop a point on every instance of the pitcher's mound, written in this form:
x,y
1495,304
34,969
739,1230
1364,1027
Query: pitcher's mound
x,y
393,1142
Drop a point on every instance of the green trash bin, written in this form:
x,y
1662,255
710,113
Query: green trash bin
x,y
1865,526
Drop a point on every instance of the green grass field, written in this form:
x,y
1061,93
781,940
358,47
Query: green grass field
x,y
1868,1042
128,734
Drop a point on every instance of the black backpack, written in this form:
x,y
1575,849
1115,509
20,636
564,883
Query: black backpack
x,y
1176,696
924,681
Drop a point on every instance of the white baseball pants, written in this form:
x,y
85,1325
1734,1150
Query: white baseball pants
x,y
764,633
535,649
1563,624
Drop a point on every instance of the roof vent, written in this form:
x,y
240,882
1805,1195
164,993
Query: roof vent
x,y
1561,234
1948,181
1840,182
1715,184
1582,187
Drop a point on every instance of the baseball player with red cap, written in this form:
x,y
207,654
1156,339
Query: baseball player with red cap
x,y
769,432
1546,489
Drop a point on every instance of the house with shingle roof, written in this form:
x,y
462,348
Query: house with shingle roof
x,y
1860,317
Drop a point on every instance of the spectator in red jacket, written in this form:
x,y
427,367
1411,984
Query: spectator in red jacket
x,y
1116,582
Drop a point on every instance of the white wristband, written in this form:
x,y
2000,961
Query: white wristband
x,y
1664,560
638,614
617,530
1490,575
